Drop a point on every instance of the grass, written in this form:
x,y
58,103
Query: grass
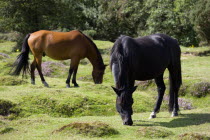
x,y
35,112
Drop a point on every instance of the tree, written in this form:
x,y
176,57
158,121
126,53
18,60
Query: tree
x,y
171,17
201,18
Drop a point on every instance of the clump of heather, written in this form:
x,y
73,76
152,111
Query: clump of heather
x,y
200,89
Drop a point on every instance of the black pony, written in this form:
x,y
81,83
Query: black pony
x,y
143,59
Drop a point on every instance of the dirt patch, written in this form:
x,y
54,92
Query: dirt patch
x,y
91,129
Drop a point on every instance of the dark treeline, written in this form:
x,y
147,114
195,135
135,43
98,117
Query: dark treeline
x,y
186,20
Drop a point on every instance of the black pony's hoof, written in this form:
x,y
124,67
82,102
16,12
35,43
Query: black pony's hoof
x,y
174,114
67,85
76,85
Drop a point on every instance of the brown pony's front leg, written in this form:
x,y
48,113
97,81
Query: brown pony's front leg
x,y
39,68
73,68
74,77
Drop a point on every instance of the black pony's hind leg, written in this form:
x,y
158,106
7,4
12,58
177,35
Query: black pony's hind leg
x,y
175,83
161,90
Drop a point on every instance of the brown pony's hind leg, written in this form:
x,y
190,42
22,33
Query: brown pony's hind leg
x,y
33,66
73,68
39,68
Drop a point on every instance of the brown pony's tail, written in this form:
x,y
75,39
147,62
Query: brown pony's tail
x,y
22,59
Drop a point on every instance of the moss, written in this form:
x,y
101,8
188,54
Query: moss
x,y
153,132
72,105
94,129
6,130
8,108
193,136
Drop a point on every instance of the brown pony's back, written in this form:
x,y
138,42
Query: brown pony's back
x,y
58,45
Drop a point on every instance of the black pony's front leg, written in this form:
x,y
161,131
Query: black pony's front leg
x,y
161,90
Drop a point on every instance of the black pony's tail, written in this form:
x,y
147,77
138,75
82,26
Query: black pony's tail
x,y
175,75
22,59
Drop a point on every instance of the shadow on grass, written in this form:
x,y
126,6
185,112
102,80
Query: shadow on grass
x,y
181,121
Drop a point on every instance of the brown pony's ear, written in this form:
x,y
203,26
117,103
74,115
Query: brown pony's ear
x,y
117,91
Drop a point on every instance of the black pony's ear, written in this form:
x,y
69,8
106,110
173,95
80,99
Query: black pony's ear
x,y
133,89
117,91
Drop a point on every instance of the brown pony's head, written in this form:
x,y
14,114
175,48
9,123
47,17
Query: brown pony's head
x,y
98,75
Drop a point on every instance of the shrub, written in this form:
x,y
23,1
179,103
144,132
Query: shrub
x,y
200,89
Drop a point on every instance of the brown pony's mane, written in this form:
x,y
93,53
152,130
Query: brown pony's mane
x,y
100,60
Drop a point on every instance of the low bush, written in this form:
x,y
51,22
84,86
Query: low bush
x,y
200,89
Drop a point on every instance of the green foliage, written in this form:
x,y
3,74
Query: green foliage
x,y
95,129
200,18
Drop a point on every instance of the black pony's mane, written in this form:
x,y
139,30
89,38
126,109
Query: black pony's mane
x,y
118,57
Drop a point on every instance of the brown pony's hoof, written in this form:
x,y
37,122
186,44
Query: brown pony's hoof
x,y
45,84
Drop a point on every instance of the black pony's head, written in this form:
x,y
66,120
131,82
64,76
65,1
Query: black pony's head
x,y
124,104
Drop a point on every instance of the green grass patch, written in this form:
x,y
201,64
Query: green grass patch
x,y
35,111
11,81
193,136
91,129
153,132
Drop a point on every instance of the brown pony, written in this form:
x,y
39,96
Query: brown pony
x,y
72,45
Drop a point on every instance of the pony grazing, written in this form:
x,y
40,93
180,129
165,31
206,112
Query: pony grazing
x,y
142,59
72,45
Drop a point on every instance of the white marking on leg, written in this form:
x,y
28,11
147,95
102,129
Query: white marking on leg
x,y
152,115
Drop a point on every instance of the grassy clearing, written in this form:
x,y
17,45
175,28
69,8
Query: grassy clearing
x,y
35,112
